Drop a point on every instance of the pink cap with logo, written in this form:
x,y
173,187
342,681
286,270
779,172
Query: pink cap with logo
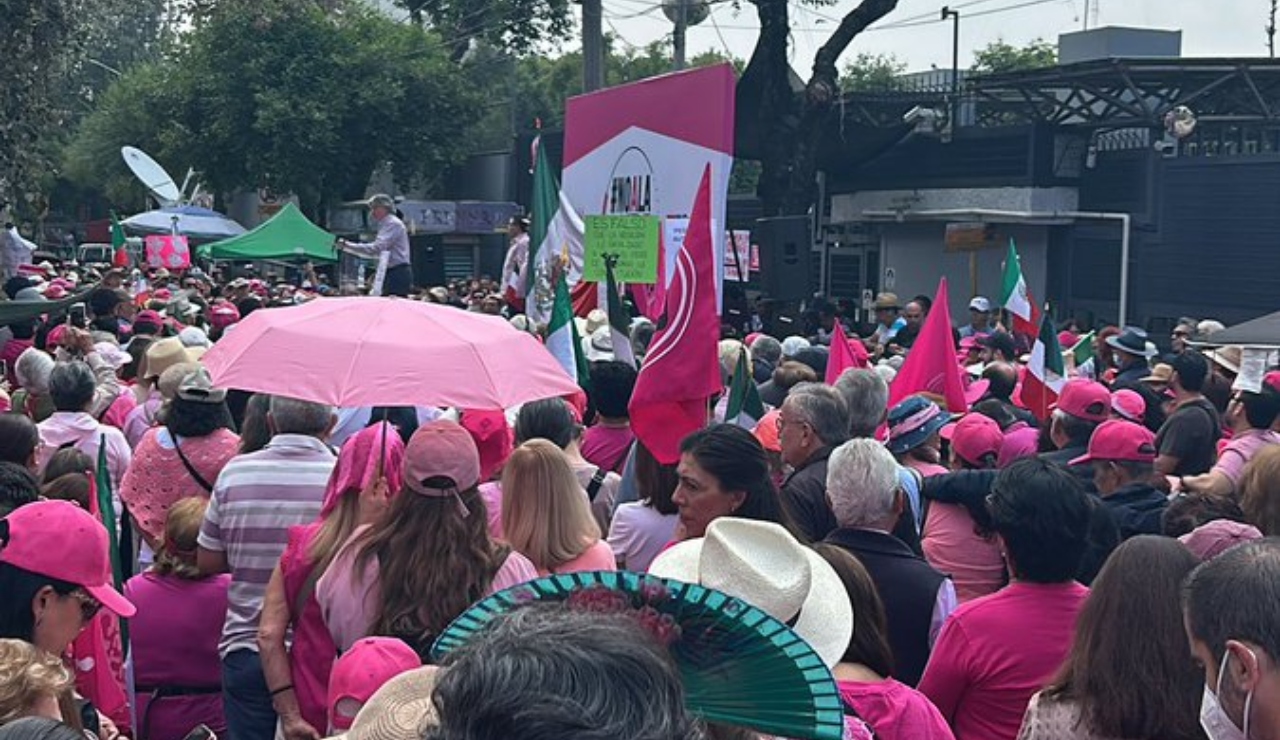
x,y
1085,399
361,671
31,535
1120,441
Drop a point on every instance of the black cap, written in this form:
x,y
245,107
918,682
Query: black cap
x,y
1001,342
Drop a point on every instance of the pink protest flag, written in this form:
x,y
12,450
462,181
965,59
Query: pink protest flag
x,y
931,364
681,371
845,353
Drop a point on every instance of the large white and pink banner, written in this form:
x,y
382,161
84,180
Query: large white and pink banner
x,y
641,148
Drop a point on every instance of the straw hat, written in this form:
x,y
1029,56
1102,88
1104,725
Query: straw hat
x,y
162,355
1228,358
400,710
887,302
1160,375
762,564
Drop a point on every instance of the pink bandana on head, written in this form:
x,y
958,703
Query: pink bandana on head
x,y
357,464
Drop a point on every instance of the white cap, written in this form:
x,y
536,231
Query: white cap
x,y
980,304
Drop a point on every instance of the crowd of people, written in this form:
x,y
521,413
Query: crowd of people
x,y
179,556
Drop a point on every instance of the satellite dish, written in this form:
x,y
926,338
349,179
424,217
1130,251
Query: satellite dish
x,y
695,11
153,176
1180,122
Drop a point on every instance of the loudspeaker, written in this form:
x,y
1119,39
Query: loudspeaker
x,y
427,253
786,252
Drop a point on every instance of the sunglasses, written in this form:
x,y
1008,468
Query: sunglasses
x,y
89,606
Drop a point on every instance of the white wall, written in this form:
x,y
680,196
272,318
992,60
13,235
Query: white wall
x,y
915,252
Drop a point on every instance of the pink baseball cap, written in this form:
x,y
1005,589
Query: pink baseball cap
x,y
1067,339
32,532
223,315
974,436
1120,440
1085,399
970,343
493,437
55,293
162,294
1211,539
1129,404
1272,380
55,336
440,460
147,316
361,671
766,431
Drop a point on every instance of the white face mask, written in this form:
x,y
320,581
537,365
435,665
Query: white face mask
x,y
1213,718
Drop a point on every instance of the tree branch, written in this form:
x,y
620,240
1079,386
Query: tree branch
x,y
823,87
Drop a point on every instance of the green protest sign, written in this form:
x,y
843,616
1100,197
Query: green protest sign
x,y
632,239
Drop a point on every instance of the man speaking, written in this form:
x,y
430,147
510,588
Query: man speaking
x,y
393,239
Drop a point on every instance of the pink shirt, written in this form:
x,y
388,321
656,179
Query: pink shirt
x,y
995,652
953,547
349,600
175,644
597,557
925,469
895,711
638,533
1241,449
607,446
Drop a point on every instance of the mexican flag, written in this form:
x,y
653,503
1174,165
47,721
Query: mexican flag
x,y
563,341
1045,374
1016,299
1082,350
556,238
619,321
745,407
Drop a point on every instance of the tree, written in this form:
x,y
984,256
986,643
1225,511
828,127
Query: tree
x,y
999,56
788,126
284,95
873,73
37,34
511,25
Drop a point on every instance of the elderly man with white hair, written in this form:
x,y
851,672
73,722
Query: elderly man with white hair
x,y
866,496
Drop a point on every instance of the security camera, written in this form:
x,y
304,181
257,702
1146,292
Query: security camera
x,y
919,114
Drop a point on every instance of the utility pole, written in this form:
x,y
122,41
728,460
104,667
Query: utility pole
x,y
1086,15
954,15
1271,30
592,45
678,36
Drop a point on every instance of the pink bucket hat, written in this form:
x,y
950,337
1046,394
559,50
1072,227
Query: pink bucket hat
x,y
361,671
30,533
358,464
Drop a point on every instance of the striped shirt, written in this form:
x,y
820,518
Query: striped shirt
x,y
256,499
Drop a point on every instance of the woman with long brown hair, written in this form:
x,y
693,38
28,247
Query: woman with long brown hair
x,y
412,573
1128,675
546,515
364,480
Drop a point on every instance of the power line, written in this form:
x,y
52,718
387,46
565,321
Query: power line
x,y
933,20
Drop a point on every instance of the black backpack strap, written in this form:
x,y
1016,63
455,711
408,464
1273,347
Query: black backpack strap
x,y
597,480
191,469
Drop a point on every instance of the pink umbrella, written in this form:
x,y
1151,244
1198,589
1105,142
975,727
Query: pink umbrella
x,y
352,352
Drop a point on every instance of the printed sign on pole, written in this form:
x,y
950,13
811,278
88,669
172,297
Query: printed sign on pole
x,y
737,255
633,239
169,251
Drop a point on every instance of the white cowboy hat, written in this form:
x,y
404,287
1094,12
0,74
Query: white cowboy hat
x,y
762,564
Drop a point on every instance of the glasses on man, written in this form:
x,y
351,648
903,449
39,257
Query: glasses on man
x,y
89,606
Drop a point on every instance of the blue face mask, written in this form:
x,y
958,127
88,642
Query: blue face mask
x,y
1214,719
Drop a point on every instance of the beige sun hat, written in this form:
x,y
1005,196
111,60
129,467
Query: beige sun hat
x,y
400,710
765,566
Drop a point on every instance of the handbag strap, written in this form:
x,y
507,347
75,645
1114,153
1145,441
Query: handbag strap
x,y
191,469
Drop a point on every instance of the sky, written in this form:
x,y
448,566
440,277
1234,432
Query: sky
x,y
1210,27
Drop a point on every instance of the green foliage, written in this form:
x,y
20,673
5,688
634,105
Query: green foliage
x,y
540,85
999,56
284,95
873,73
37,35
511,25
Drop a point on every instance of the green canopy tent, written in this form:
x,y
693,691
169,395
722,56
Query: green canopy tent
x,y
289,235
